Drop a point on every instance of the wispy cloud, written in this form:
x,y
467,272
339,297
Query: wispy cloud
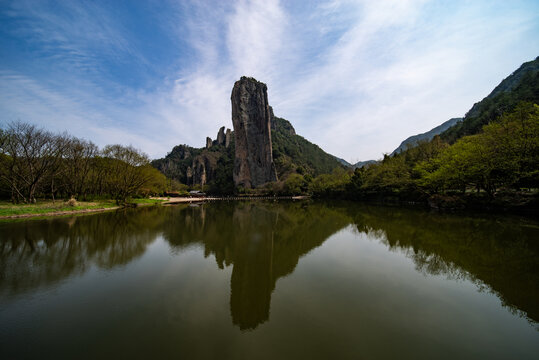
x,y
77,34
355,77
92,118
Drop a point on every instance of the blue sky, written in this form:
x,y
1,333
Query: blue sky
x,y
355,77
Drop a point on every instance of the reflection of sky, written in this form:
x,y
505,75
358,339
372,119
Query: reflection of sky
x,y
348,296
355,77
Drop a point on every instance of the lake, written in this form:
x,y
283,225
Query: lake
x,y
270,280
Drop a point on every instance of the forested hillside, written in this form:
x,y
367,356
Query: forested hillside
x,y
294,154
522,85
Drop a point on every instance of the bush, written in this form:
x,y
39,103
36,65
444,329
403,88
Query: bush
x,y
72,202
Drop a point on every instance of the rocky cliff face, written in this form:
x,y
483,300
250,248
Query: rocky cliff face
x,y
261,148
228,137
204,168
251,116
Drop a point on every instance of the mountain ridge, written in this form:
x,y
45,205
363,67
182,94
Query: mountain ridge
x,y
454,128
426,136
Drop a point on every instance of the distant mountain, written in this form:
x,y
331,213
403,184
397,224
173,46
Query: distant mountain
x,y
343,162
427,136
507,84
361,164
521,85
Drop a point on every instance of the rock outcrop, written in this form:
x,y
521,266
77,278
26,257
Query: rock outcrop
x,y
272,119
209,143
182,151
204,168
221,136
251,116
228,137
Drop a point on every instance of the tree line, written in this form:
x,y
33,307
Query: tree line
x,y
37,163
504,155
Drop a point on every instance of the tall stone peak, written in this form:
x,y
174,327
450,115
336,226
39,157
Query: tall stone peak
x,y
221,136
251,117
228,137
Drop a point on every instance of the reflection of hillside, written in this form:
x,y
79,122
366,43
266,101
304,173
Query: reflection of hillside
x,y
39,253
263,244
503,255
264,241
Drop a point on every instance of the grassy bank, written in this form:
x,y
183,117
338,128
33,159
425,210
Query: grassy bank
x,y
59,207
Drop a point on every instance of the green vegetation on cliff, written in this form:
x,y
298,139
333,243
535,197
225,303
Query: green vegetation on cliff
x,y
491,158
522,85
212,168
294,154
488,168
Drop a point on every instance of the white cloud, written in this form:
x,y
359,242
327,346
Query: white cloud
x,y
254,37
355,77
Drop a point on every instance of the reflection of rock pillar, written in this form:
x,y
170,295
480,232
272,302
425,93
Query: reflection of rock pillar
x,y
251,287
252,280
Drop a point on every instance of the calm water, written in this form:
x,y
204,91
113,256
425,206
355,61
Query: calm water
x,y
269,280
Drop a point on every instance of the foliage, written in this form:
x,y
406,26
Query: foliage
x,y
223,184
500,102
505,154
28,156
294,154
37,163
331,185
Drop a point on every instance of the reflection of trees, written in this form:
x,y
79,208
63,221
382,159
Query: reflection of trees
x,y
263,241
501,254
38,253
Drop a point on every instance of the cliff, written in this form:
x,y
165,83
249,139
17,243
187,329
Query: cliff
x,y
261,149
253,162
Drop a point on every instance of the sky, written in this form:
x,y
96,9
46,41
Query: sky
x,y
354,77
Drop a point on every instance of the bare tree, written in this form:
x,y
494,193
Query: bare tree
x,y
126,173
79,158
29,154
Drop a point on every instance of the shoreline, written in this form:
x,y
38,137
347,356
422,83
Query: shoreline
x,y
57,213
165,201
179,200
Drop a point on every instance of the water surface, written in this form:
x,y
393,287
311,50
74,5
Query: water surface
x,y
269,280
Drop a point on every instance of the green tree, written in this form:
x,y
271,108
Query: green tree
x,y
504,154
126,171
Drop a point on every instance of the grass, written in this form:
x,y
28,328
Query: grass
x,y
47,206
146,201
